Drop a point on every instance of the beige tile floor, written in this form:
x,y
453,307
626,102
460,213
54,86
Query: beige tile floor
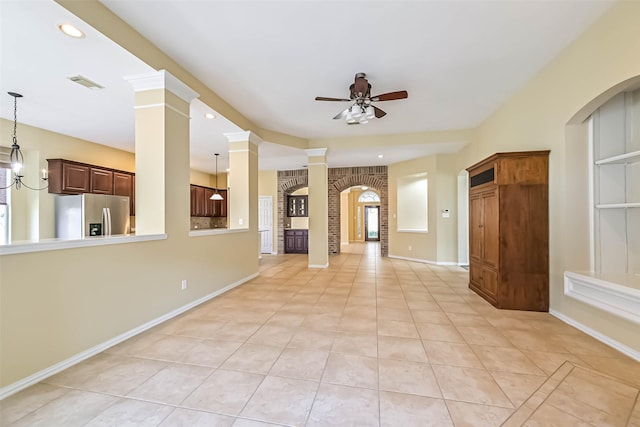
x,y
369,341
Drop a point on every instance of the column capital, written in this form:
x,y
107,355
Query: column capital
x,y
316,152
245,136
162,80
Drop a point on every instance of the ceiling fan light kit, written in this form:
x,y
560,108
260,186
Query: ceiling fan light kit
x,y
360,94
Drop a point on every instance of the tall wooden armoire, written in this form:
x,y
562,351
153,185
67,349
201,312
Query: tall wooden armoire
x,y
509,230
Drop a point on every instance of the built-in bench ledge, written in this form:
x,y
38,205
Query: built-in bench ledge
x,y
618,294
213,231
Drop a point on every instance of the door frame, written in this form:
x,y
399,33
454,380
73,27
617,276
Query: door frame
x,y
366,223
268,231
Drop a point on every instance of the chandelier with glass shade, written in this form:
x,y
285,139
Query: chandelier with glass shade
x,y
16,159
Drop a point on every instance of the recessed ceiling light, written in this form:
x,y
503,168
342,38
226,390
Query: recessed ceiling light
x,y
71,31
210,116
380,156
83,81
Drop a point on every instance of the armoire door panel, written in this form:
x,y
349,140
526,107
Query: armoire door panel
x,y
475,227
490,282
491,229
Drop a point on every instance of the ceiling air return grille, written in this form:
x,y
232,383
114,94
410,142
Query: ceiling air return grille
x,y
85,82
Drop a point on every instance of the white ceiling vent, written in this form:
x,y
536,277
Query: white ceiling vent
x,y
85,82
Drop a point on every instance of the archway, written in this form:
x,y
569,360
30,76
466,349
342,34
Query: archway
x,y
288,182
342,178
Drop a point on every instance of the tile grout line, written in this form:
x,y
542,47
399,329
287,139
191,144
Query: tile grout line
x,y
523,406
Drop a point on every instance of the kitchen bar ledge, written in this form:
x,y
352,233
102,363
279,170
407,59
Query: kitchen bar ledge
x,y
214,231
56,244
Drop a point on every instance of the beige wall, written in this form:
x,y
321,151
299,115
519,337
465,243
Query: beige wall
x,y
537,117
32,213
439,244
268,186
38,145
56,304
446,198
419,246
63,307
349,214
319,215
208,180
344,217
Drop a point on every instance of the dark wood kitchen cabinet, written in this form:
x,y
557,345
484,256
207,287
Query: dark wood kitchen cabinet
x,y
509,230
70,177
197,201
101,181
209,205
296,241
220,208
124,185
203,206
297,206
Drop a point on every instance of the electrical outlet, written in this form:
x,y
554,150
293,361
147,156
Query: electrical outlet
x,y
184,284
409,248
240,221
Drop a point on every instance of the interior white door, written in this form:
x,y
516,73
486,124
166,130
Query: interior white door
x,y
265,224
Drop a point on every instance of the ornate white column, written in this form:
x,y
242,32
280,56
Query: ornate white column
x,y
318,208
243,180
162,152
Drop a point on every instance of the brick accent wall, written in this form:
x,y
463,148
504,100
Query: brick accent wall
x,y
339,180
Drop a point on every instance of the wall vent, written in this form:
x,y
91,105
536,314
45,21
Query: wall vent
x,y
85,82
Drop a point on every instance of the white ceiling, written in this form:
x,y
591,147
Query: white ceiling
x,y
459,61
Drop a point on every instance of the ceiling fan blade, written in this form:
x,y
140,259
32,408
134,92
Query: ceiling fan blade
x,y
379,113
323,98
391,96
342,114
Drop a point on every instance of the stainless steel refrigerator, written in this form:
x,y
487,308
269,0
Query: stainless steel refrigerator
x,y
88,215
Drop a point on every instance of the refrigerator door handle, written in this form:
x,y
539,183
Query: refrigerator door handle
x,y
106,221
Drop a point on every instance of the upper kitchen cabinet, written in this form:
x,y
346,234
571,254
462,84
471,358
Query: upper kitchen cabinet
x,y
124,185
221,205
203,206
197,201
209,205
68,177
101,181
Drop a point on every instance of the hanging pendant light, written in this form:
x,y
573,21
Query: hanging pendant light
x,y
15,157
216,195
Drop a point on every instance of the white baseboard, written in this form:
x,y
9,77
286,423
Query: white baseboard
x,y
634,354
423,261
77,358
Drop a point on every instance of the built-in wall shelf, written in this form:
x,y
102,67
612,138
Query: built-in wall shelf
x,y
632,157
615,131
616,293
618,205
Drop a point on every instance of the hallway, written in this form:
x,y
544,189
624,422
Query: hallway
x,y
369,341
